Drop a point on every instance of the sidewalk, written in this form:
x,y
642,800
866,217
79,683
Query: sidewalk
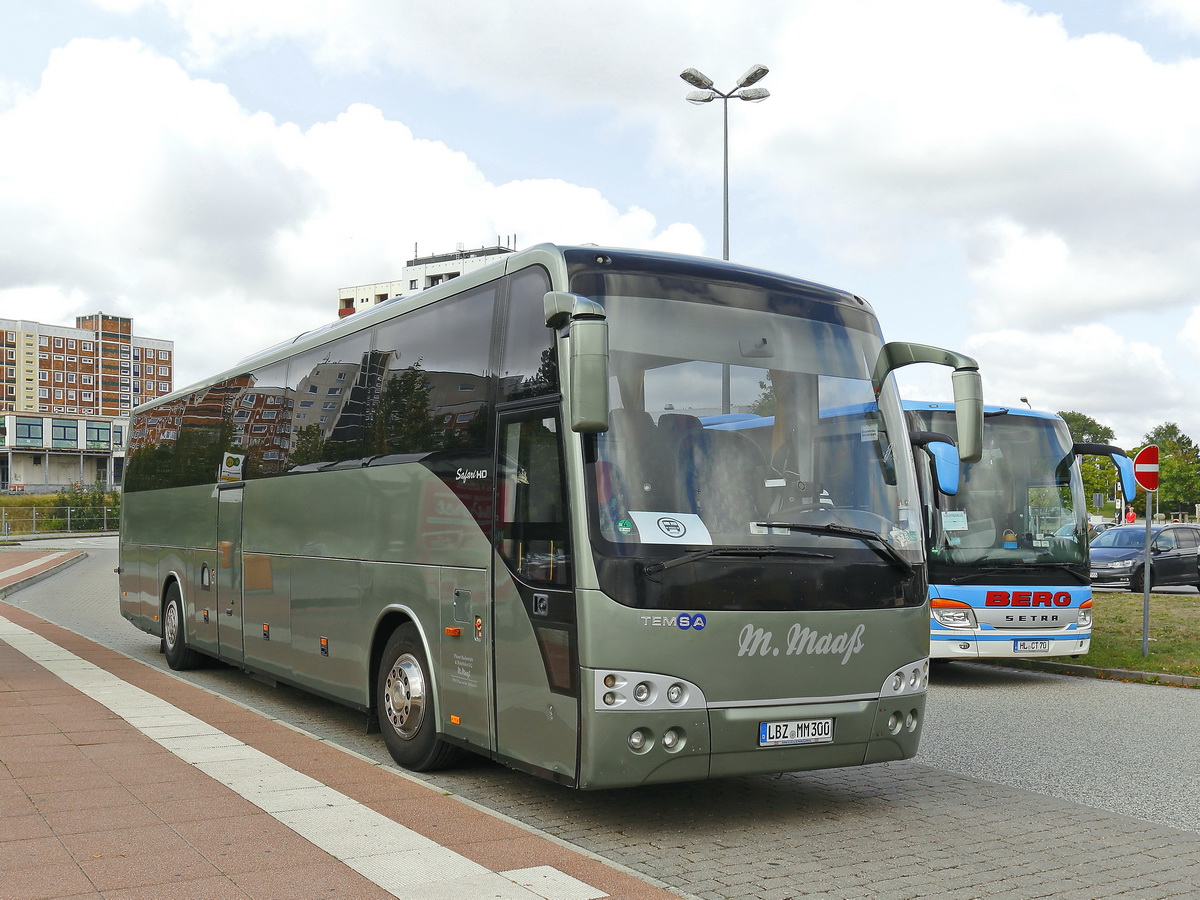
x,y
121,781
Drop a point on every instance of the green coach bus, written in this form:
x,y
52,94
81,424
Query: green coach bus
x,y
513,515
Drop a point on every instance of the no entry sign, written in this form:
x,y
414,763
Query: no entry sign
x,y
1145,467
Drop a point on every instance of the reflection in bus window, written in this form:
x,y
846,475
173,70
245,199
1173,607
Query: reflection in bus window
x,y
532,526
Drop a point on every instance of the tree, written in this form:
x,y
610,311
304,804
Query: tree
x,y
1178,469
1099,474
1087,430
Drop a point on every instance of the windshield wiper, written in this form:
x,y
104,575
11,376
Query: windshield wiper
x,y
1072,568
655,568
874,540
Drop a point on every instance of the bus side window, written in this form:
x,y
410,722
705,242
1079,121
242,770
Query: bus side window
x,y
533,535
530,367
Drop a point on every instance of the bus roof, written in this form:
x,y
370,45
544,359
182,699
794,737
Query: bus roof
x,y
557,259
988,410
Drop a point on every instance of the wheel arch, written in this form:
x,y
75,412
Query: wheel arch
x,y
391,619
171,578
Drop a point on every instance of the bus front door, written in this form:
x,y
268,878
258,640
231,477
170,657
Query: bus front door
x,y
534,631
230,640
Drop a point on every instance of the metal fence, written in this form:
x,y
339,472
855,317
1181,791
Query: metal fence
x,y
17,520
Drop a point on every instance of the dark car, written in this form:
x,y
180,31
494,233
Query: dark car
x,y
1118,555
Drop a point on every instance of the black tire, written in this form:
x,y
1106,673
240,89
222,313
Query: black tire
x,y
1137,585
406,706
174,639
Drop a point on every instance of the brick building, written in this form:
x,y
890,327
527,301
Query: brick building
x,y
66,395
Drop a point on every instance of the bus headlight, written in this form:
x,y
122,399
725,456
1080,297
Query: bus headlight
x,y
952,613
615,689
907,680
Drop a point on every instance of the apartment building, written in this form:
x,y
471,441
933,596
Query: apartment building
x,y
418,274
66,395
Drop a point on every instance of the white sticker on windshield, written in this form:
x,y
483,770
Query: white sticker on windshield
x,y
869,433
954,520
670,528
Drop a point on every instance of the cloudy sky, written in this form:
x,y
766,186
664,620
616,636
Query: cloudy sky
x,y
1017,181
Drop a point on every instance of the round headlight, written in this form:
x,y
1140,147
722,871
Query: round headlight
x,y
675,693
641,693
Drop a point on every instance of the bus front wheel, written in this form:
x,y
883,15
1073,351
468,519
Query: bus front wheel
x,y
407,716
179,656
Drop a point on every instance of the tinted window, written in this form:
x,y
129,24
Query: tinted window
x,y
183,442
432,388
530,367
327,401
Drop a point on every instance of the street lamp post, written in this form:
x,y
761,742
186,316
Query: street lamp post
x,y
706,94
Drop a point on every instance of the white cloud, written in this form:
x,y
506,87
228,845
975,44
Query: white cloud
x,y
1184,14
158,196
1120,382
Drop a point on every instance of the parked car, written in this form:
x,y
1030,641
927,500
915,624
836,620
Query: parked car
x,y
1118,554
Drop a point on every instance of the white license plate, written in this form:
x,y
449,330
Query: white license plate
x,y
803,731
1031,646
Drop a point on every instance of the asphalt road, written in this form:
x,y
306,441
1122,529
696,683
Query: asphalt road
x,y
1027,785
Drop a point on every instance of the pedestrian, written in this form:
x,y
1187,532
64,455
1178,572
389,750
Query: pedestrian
x,y
1130,515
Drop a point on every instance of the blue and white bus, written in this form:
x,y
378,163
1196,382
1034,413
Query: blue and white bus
x,y
1007,536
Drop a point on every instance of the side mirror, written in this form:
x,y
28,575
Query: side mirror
x,y
587,342
968,388
944,457
1123,463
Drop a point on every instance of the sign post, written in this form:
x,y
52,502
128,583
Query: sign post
x,y
1145,473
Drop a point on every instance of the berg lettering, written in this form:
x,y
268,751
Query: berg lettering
x,y
1027,598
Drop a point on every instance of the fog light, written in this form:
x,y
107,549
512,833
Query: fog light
x,y
670,739
894,721
637,740
910,721
641,693
610,698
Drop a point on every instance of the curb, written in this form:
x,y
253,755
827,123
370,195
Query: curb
x,y
1189,681
79,556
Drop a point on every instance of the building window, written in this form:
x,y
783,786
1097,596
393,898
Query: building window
x,y
65,433
29,432
98,435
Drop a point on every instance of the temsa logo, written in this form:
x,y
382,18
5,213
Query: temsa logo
x,y
1027,598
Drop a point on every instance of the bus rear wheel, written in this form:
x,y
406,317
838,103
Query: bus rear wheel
x,y
179,656
406,706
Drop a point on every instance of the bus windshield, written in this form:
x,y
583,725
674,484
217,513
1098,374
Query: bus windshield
x,y
749,428
1019,505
